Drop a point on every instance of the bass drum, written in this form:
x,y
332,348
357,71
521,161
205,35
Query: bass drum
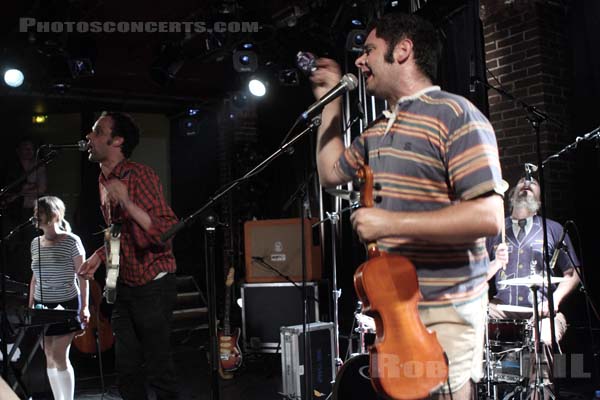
x,y
353,381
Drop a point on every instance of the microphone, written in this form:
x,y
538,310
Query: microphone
x,y
82,145
346,84
559,245
529,169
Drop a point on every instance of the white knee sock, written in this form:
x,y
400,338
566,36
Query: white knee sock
x,y
66,382
53,379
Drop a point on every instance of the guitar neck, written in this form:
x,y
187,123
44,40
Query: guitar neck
x,y
226,324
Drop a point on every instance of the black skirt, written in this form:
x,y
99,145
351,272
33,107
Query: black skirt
x,y
62,328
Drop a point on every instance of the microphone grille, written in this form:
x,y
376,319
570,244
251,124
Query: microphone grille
x,y
82,145
350,81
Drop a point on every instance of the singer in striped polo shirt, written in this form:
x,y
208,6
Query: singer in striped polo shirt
x,y
435,158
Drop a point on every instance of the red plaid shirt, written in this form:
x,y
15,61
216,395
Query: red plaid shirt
x,y
142,254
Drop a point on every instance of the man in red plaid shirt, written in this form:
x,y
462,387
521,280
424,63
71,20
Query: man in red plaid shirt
x,y
131,194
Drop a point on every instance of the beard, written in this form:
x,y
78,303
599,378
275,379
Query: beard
x,y
527,202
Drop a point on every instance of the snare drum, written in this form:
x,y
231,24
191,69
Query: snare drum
x,y
508,332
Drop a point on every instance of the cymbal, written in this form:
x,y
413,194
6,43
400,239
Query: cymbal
x,y
515,309
344,194
531,280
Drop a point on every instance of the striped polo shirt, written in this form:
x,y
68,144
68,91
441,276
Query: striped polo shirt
x,y
54,268
439,150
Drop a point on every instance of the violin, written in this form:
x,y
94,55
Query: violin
x,y
98,326
406,359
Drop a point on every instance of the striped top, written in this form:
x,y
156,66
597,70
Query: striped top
x,y
439,150
58,278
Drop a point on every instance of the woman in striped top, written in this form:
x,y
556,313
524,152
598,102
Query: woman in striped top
x,y
55,256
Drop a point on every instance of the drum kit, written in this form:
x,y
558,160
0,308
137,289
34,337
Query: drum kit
x,y
510,349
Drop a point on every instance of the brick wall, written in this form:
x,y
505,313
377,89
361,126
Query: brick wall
x,y
526,50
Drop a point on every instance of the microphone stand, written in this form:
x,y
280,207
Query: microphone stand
x,y
588,137
48,158
536,117
210,260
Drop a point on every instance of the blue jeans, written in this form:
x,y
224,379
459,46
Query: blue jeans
x,y
141,322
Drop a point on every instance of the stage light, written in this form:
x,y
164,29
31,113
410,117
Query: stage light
x,y
14,77
288,77
257,87
245,61
80,67
356,40
167,65
239,100
39,119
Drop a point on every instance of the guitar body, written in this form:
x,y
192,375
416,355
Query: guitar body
x,y
406,359
230,355
112,245
98,328
229,350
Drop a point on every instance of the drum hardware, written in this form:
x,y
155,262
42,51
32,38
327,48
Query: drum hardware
x,y
525,339
538,386
507,347
365,326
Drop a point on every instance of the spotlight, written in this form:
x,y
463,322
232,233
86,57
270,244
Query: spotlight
x,y
239,100
39,119
80,67
257,87
357,22
189,126
14,77
245,61
169,62
247,46
356,40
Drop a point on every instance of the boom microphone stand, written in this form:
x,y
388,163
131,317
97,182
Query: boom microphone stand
x,y
184,222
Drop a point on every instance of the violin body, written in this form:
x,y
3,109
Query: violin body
x,y
98,326
406,359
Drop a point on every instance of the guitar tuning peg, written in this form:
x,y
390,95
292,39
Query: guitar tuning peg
x,y
377,186
377,199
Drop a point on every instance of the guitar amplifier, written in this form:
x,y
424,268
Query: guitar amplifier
x,y
321,368
266,307
275,245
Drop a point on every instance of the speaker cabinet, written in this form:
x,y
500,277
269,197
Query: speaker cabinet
x,y
275,245
266,307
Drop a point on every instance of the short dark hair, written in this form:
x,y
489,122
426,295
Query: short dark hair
x,y
125,127
427,47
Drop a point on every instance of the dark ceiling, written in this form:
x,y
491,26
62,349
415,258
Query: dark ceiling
x,y
123,62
